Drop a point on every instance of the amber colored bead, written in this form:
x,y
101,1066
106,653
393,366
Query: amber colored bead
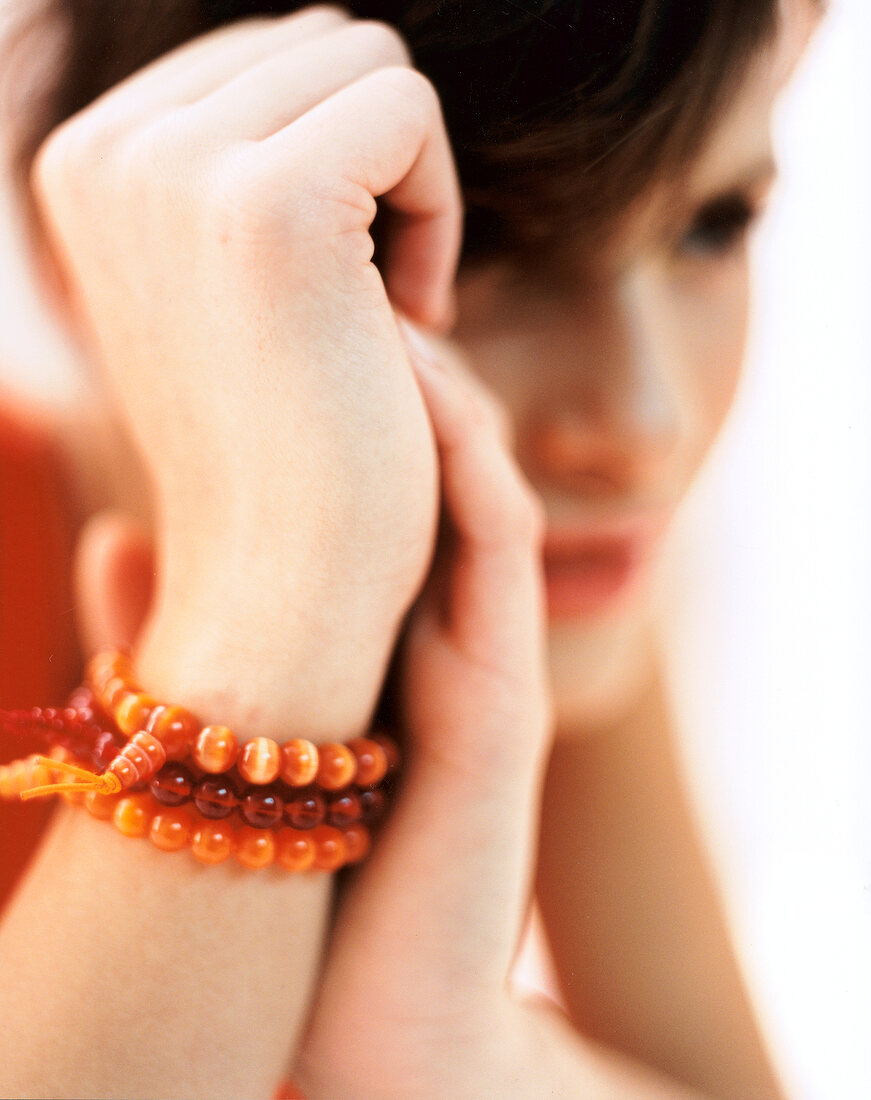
x,y
306,810
126,771
371,761
108,665
215,749
133,711
262,808
173,784
329,848
391,749
112,693
213,842
259,760
337,767
357,843
175,728
132,816
171,829
215,798
299,762
344,809
373,803
255,848
295,851
99,805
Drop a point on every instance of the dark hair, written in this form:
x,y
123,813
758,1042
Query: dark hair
x,y
560,111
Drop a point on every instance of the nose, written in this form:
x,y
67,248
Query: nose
x,y
613,414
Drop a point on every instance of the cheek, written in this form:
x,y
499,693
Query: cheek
x,y
711,327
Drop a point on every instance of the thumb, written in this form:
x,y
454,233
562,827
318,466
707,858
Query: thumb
x,y
113,580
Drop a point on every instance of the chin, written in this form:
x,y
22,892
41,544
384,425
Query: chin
x,y
599,667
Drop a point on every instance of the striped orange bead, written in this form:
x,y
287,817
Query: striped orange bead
x,y
175,728
337,766
294,850
371,761
215,749
329,848
132,816
101,806
299,762
132,712
259,760
213,842
357,843
255,848
171,829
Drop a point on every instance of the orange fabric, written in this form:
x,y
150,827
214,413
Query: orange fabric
x,y
38,662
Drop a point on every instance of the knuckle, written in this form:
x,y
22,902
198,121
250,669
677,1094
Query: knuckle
x,y
413,89
382,42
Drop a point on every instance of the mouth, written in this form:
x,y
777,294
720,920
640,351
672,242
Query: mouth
x,y
590,569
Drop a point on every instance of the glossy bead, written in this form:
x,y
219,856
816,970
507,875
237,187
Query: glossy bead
x,y
215,798
306,810
213,842
152,748
255,848
373,803
262,808
108,665
171,829
101,806
337,766
173,784
175,728
133,711
135,756
259,760
126,771
112,692
344,809
215,749
357,843
132,816
391,749
329,848
105,748
371,761
299,762
295,851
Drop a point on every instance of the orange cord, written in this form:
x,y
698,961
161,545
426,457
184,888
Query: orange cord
x,y
107,783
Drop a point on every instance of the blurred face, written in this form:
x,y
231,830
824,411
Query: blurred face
x,y
617,370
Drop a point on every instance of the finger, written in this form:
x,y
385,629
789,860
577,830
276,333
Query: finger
x,y
114,578
495,601
273,93
383,135
199,66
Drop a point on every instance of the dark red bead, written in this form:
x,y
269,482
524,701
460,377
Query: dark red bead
x,y
214,797
305,809
344,809
173,784
372,805
104,748
262,808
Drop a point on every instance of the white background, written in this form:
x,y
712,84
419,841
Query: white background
x,y
769,569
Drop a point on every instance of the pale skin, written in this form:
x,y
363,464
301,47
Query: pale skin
x,y
416,973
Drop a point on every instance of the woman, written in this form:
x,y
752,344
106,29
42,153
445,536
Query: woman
x,y
205,226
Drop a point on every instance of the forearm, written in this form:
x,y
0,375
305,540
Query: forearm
x,y
640,941
131,972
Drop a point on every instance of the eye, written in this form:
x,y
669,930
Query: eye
x,y
719,226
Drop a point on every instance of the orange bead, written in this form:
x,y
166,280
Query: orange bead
x,y
213,842
357,843
337,767
294,850
390,748
299,762
259,760
132,816
175,728
107,665
215,749
371,761
126,771
101,806
152,749
112,693
7,785
255,848
329,848
132,712
171,829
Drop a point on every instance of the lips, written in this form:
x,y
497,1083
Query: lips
x,y
589,568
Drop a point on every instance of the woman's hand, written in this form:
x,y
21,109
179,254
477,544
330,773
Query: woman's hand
x,y
211,218
415,1000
